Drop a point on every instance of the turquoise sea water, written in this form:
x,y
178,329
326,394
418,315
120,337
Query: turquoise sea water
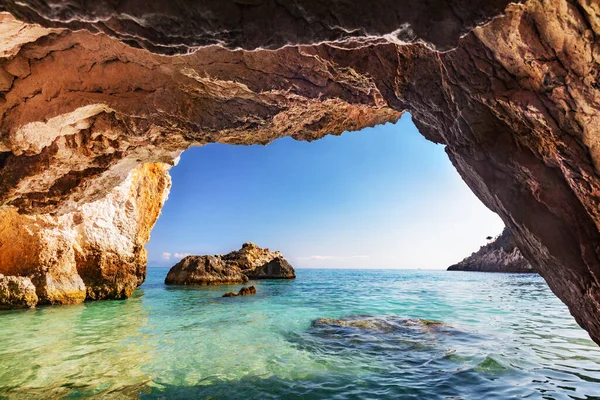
x,y
505,336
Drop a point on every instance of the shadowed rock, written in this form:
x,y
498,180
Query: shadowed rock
x,y
184,25
245,291
501,255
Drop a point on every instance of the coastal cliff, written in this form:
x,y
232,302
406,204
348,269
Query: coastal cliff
x,y
88,93
94,253
500,255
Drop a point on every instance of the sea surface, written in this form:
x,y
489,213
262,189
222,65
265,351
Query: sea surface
x,y
503,336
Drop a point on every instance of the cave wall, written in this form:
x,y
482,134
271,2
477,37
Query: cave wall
x,y
93,92
96,252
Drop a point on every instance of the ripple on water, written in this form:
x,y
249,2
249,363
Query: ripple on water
x,y
320,336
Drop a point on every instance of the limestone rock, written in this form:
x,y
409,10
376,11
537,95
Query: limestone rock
x,y
258,263
245,291
96,252
237,266
204,270
17,292
501,255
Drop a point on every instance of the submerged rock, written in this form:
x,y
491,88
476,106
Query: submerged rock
x,y
250,261
378,324
501,255
17,292
204,270
245,291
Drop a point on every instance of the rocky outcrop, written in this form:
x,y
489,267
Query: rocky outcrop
x,y
96,252
245,291
250,262
514,99
16,292
500,255
203,271
258,263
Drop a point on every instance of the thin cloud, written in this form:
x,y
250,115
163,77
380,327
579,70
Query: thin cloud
x,y
166,256
181,255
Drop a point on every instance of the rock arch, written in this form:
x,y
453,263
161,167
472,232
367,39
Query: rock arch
x,y
98,100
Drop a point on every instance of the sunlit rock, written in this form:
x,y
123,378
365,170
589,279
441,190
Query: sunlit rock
x,y
204,270
500,255
16,292
96,252
237,266
258,263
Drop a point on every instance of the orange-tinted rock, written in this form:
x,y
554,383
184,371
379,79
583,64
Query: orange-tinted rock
x,y
96,252
16,292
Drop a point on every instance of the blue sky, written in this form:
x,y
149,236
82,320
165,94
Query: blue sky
x,y
381,197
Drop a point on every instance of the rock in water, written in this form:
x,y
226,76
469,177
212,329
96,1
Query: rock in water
x,y
381,324
245,291
204,270
501,255
17,292
250,261
258,263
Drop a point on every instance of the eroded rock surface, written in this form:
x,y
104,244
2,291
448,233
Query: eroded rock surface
x,y
204,270
16,292
250,262
500,255
96,252
184,25
258,263
515,102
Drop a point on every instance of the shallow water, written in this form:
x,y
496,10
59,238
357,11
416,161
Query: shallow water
x,y
504,336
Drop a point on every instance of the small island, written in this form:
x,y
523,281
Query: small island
x,y
500,255
250,262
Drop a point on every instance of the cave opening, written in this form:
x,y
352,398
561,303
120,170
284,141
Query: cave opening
x,y
382,197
